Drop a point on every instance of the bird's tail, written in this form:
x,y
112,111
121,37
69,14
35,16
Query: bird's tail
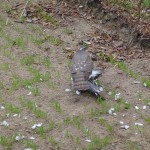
x,y
80,83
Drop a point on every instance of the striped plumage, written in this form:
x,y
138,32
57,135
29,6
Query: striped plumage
x,y
81,69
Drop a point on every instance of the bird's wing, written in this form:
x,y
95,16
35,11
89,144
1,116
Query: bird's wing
x,y
88,65
82,62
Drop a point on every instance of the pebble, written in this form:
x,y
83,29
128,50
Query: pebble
x,y
121,122
125,127
67,90
4,123
36,125
111,110
78,92
29,93
137,82
136,107
117,96
145,84
2,107
139,124
19,137
15,115
109,93
89,141
31,138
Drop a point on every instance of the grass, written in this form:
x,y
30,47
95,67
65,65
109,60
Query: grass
x,y
2,24
54,40
28,60
20,41
121,104
77,120
11,108
127,5
146,3
51,125
7,142
102,121
123,66
40,39
146,101
30,83
47,17
5,66
31,144
148,120
37,76
104,107
35,64
67,120
105,123
2,86
146,82
35,91
77,140
46,76
68,31
42,132
47,62
51,84
7,53
57,106
69,135
54,143
109,128
16,82
68,62
33,107
98,143
133,145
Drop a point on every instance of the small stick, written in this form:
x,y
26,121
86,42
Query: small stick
x,y
7,21
24,8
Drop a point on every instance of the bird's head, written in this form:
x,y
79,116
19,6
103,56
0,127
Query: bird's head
x,y
82,48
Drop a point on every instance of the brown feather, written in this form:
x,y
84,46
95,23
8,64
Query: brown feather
x,y
81,68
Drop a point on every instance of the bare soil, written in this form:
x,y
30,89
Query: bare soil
x,y
84,111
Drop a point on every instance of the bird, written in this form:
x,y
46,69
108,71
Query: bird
x,y
81,68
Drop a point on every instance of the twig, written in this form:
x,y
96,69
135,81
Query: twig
x,y
7,21
24,9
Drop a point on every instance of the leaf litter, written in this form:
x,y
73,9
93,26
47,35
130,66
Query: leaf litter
x,y
45,14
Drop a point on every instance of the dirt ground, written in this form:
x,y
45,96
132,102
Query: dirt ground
x,y
33,79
